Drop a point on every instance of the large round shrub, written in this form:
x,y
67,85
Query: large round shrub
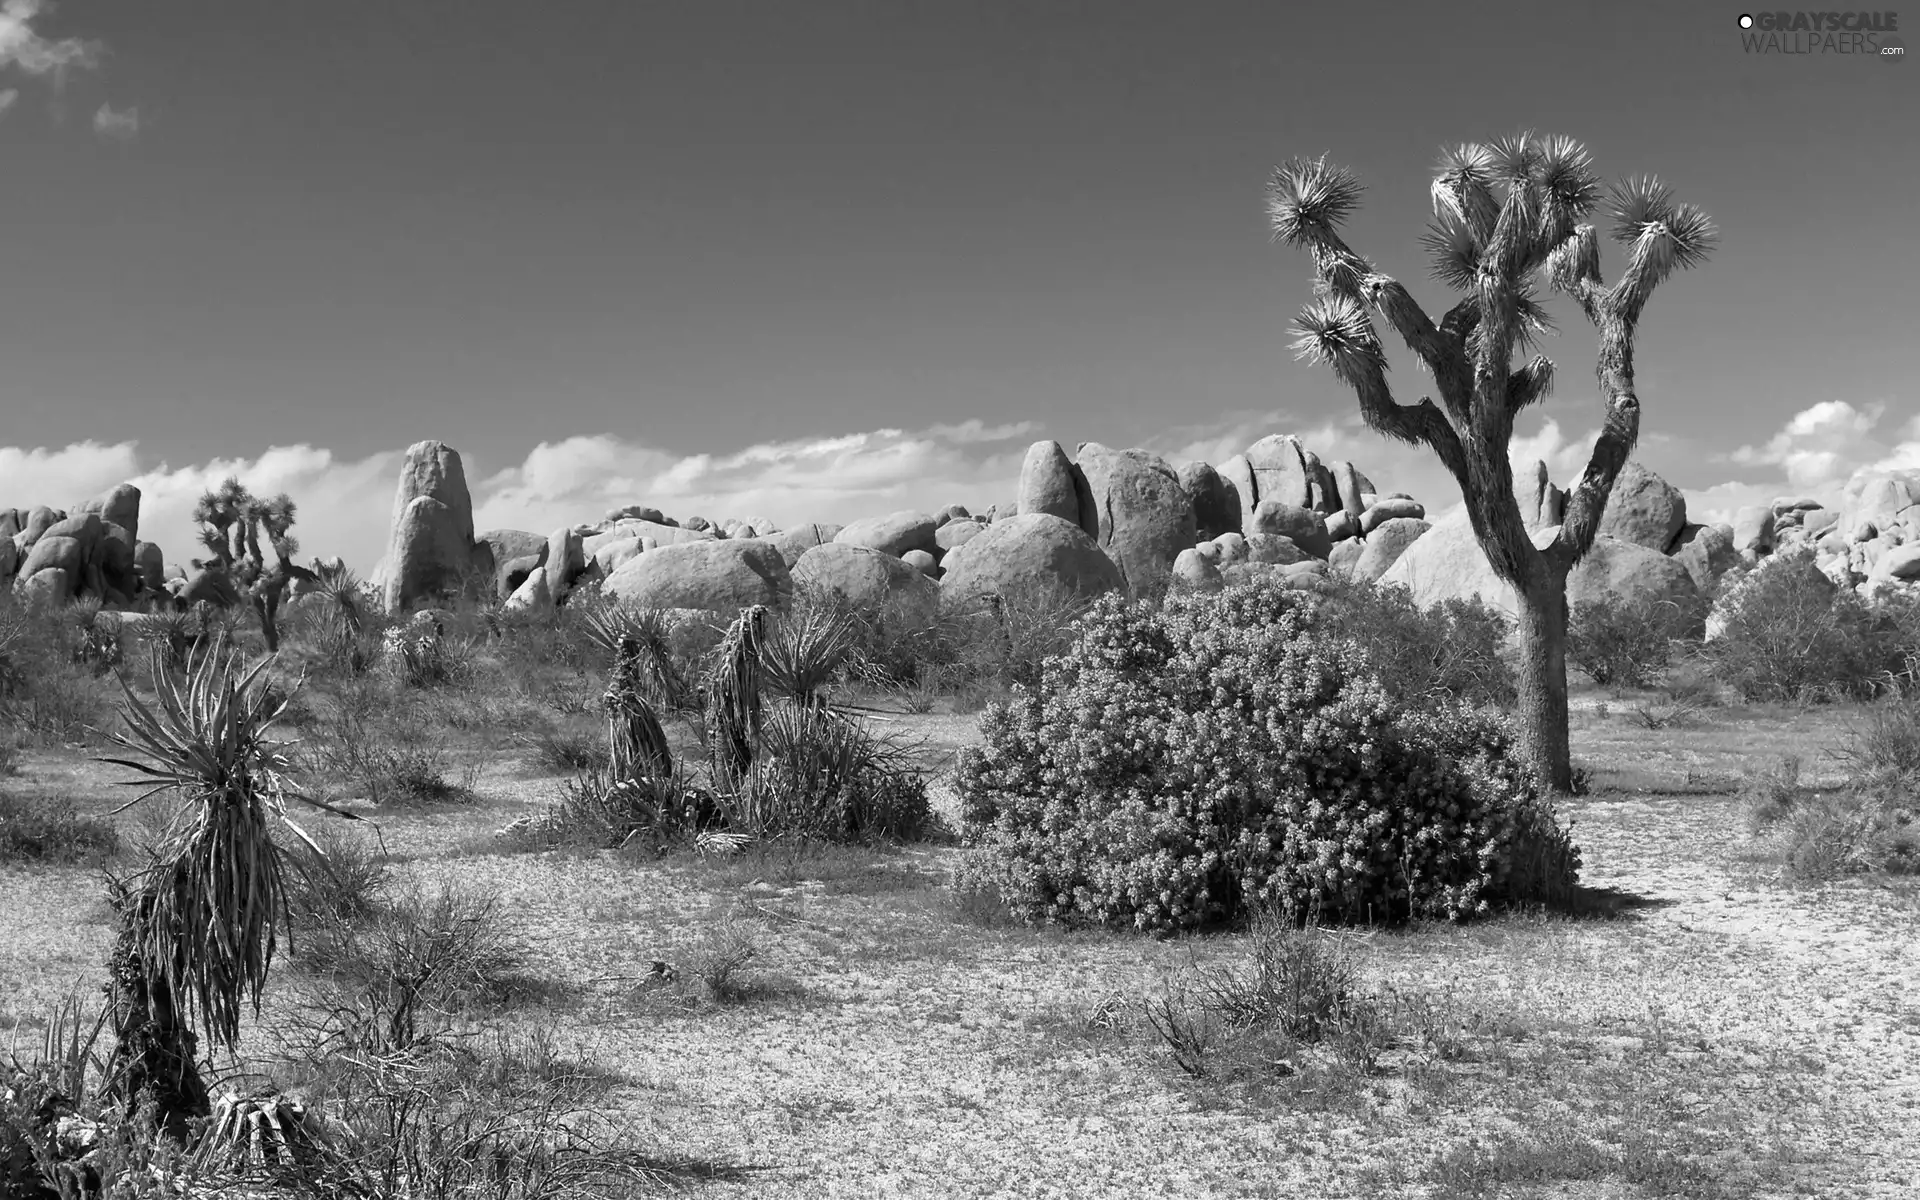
x,y
1183,762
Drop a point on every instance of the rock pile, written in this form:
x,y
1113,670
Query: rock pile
x,y
51,556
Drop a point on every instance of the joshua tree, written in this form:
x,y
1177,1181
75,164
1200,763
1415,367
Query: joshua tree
x,y
232,520
1507,216
197,926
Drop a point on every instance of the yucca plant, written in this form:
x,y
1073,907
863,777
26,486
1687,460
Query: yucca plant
x,y
609,627
806,651
198,924
636,742
346,604
733,700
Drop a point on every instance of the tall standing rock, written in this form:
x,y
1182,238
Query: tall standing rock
x,y
1046,483
1346,482
1238,474
1142,517
430,551
1279,470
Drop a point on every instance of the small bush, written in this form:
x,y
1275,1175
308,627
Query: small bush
x,y
1294,1007
1785,631
52,831
1185,762
1452,649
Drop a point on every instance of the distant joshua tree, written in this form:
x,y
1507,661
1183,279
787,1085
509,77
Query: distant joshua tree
x,y
232,521
1507,216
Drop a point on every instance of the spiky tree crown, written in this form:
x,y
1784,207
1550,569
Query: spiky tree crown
x,y
1508,216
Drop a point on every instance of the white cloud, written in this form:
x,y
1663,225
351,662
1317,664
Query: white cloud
x,y
120,126
344,506
21,46
807,479
7,97
1814,454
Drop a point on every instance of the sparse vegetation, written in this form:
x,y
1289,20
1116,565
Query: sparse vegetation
x,y
446,1003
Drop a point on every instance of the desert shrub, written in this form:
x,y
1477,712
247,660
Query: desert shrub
x,y
1452,649
49,688
1785,631
390,974
1629,645
366,740
342,883
659,814
562,748
52,831
1867,825
1297,990
425,658
823,776
1183,763
1883,751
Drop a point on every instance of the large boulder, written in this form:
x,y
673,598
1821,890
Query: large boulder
x,y
1706,552
1384,546
955,534
1643,509
1279,465
1216,501
1047,483
506,547
1143,517
1306,528
1393,508
1618,575
427,559
1753,531
715,576
1238,474
895,534
1030,554
118,506
876,584
1196,571
56,552
430,547
792,543
614,555
1446,562
40,518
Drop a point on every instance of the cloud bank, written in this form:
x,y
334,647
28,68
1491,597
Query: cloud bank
x,y
24,48
345,504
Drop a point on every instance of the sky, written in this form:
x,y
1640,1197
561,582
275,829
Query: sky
x,y
814,261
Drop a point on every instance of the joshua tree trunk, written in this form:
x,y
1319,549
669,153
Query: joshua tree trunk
x,y
1543,679
154,1046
